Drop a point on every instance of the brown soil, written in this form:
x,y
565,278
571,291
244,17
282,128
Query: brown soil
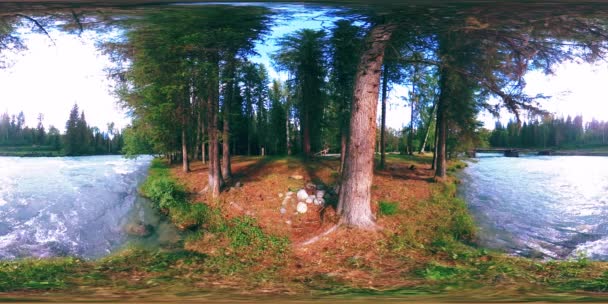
x,y
357,257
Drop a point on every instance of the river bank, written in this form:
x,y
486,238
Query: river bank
x,y
583,151
37,151
243,246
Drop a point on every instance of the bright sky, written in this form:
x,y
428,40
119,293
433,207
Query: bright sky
x,y
49,78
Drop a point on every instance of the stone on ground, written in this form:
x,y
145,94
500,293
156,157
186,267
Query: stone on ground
x,y
302,195
302,207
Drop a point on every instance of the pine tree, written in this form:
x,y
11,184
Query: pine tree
x,y
72,139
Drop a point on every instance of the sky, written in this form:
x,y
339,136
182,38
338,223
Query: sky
x,y
51,76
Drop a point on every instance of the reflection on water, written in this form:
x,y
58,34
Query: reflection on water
x,y
555,206
70,206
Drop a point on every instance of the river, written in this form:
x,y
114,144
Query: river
x,y
542,206
70,206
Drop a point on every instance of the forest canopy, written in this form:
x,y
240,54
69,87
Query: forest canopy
x,y
187,76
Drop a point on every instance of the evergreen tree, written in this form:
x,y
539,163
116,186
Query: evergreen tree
x,y
72,135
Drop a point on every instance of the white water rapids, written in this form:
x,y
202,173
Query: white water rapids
x,y
75,206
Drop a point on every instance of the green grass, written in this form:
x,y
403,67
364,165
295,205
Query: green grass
x,y
30,151
170,197
387,208
246,243
32,274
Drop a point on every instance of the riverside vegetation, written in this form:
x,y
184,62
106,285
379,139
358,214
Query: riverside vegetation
x,y
425,249
186,75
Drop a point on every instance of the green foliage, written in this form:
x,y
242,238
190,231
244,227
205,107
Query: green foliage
x,y
247,246
17,139
302,54
460,225
29,151
438,272
550,131
135,259
36,274
245,233
388,208
136,140
178,59
170,197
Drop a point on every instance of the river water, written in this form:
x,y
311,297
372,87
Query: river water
x,y
76,206
542,206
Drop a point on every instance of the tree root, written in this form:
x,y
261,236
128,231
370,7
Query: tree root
x,y
318,237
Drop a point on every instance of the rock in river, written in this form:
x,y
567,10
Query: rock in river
x,y
139,229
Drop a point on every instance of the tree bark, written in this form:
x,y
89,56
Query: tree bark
x,y
287,142
354,205
383,120
343,144
198,137
215,173
226,166
185,163
306,134
428,128
441,130
410,138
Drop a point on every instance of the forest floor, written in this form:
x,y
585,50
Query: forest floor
x,y
241,247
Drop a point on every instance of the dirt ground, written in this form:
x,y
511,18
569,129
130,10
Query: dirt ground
x,y
260,185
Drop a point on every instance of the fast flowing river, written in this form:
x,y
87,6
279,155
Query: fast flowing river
x,y
77,206
546,206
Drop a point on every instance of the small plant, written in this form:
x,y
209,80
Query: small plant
x,y
387,208
36,274
438,272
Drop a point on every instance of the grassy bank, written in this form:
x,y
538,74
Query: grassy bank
x,y
36,151
30,151
241,244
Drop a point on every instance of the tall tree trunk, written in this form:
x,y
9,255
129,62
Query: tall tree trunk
x,y
442,130
383,120
203,144
198,138
185,163
354,204
215,173
204,152
343,144
306,133
434,165
428,128
288,141
226,166
249,138
410,138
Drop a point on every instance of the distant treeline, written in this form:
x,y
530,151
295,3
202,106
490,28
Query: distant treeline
x,y
550,132
79,138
